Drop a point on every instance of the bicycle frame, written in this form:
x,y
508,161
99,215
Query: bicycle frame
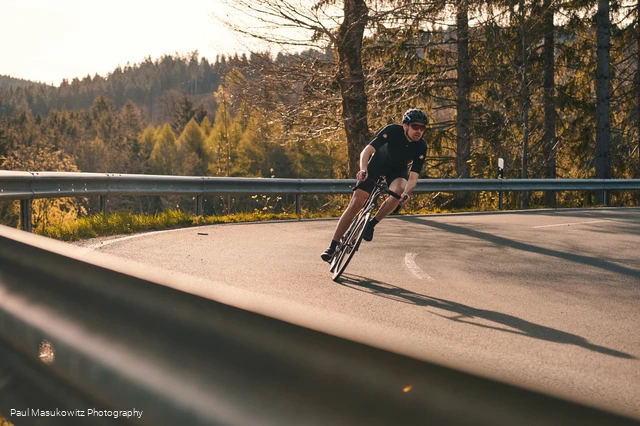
x,y
350,242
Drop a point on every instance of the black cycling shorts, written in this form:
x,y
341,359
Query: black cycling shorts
x,y
376,170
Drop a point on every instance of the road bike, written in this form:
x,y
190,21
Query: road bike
x,y
350,242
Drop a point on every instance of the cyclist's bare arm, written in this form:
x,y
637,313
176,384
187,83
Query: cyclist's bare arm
x,y
365,156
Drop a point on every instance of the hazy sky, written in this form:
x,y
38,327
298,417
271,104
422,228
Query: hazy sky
x,y
48,40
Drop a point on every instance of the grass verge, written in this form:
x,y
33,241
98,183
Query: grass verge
x,y
127,223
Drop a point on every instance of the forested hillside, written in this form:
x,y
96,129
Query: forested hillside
x,y
506,81
7,81
153,86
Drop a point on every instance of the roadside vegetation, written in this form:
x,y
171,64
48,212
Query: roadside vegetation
x,y
122,223
550,88
126,223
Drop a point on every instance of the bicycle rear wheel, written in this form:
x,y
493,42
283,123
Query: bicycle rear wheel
x,y
349,245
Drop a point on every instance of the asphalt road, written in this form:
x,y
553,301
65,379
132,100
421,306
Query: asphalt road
x,y
547,300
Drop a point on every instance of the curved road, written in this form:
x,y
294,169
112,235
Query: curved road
x,y
548,300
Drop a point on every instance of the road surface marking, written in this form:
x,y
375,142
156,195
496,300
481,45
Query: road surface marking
x,y
100,244
409,260
571,223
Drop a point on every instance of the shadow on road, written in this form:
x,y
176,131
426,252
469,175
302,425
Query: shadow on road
x,y
466,314
585,260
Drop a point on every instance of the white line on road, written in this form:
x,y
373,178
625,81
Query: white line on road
x,y
571,223
103,243
409,260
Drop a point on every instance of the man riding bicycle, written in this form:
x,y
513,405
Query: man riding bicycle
x,y
389,155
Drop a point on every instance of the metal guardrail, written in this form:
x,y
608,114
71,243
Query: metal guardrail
x,y
116,342
26,186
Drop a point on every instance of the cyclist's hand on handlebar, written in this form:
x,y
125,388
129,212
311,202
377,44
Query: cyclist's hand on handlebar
x,y
362,175
403,200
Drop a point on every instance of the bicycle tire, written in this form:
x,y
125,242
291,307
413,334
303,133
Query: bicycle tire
x,y
339,254
344,247
351,244
340,250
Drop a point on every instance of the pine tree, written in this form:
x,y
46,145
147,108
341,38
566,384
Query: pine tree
x,y
164,156
185,112
147,143
193,153
205,125
130,128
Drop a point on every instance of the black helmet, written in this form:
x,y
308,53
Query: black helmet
x,y
414,115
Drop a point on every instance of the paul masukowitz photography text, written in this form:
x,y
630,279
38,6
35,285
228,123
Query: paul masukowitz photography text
x,y
89,412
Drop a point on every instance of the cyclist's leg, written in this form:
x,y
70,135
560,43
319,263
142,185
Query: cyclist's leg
x,y
358,199
387,206
397,184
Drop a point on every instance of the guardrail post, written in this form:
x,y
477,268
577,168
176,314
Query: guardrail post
x,y
25,215
298,204
103,205
500,174
199,203
605,198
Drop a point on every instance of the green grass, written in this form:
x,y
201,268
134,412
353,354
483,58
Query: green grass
x,y
127,223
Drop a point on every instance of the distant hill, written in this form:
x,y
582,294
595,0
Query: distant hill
x,y
155,86
13,83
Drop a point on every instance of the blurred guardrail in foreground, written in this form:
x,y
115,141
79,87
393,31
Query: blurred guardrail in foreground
x,y
91,341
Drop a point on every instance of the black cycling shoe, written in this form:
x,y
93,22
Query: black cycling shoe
x,y
328,254
367,234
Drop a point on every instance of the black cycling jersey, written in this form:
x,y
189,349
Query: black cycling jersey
x,y
393,154
395,150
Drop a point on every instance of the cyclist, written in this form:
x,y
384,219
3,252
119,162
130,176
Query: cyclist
x,y
389,155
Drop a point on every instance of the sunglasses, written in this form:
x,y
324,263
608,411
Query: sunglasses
x,y
417,127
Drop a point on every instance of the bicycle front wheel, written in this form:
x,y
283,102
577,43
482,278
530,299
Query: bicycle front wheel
x,y
344,247
349,246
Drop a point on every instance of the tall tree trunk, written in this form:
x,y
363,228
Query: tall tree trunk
x,y
549,136
637,166
351,80
463,84
525,103
603,97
